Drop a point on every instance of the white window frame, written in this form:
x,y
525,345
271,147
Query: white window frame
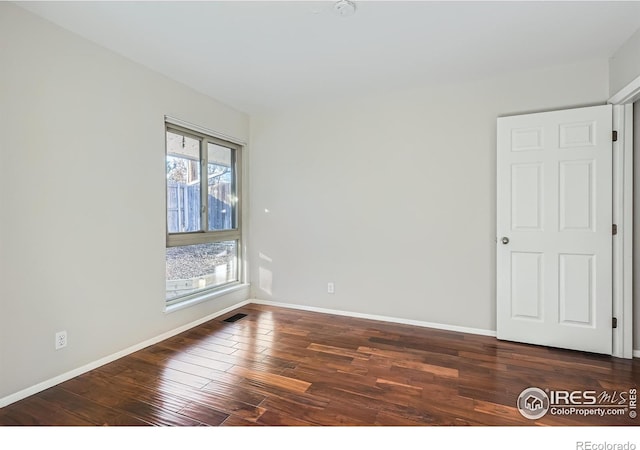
x,y
204,236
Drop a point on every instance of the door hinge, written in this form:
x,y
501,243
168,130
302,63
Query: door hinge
x,y
615,136
614,322
614,229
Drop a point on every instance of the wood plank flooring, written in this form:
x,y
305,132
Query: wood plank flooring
x,y
282,366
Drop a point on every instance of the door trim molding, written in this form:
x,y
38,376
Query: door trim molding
x,y
628,94
622,103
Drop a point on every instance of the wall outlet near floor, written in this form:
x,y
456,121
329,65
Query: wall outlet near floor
x,y
330,287
61,339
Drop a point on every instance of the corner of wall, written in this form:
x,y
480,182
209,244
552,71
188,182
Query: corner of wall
x,y
624,65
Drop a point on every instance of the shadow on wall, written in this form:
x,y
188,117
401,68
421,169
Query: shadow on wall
x,y
265,275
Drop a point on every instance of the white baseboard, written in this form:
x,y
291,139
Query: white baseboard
x,y
417,323
107,359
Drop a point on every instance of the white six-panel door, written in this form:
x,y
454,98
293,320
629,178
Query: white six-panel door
x,y
554,228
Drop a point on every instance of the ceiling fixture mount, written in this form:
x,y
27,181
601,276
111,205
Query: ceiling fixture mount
x,y
345,8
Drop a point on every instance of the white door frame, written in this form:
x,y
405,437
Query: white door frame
x,y
622,103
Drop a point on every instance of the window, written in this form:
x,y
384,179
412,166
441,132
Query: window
x,y
203,213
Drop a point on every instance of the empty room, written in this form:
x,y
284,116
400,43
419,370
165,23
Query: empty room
x,y
292,214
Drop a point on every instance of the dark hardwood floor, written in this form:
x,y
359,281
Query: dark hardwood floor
x,y
287,367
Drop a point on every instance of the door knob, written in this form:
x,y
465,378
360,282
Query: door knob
x,y
505,240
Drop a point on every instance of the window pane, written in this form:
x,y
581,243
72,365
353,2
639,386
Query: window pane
x,y
221,188
196,267
183,183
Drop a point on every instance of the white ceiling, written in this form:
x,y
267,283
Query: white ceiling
x,y
263,55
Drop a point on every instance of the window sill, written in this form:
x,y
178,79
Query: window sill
x,y
205,297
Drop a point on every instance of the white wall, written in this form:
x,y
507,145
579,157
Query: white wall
x,y
81,199
624,66
393,197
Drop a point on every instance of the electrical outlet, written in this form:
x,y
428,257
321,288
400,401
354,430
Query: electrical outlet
x,y
330,288
61,339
